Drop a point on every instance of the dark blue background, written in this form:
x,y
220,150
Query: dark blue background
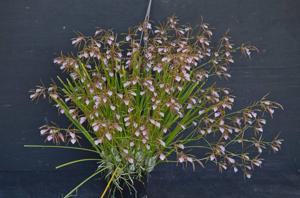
x,y
32,33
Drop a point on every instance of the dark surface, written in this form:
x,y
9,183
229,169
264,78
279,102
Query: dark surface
x,y
33,32
268,182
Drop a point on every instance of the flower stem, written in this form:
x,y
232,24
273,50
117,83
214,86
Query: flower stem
x,y
109,182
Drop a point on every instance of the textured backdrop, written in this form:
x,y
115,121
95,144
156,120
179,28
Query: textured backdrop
x,y
33,32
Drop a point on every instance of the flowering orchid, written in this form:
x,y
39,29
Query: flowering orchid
x,y
139,105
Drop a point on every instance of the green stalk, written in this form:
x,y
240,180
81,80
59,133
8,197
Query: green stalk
x,y
109,182
76,161
83,182
60,147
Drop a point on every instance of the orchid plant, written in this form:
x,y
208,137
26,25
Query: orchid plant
x,y
150,97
